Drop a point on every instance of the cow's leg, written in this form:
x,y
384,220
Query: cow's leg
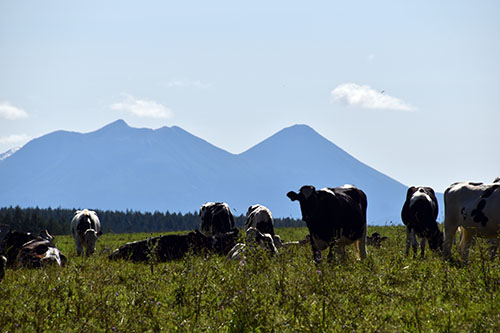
x,y
422,247
356,249
362,246
450,230
315,251
465,244
78,244
408,240
414,243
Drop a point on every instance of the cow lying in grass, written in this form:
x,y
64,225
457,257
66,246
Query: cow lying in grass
x,y
254,240
174,247
23,249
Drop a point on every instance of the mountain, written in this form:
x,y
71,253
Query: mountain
x,y
8,153
119,167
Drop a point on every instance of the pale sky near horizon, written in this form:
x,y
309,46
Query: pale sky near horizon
x,y
410,88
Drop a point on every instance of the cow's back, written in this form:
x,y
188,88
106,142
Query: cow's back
x,y
345,210
474,206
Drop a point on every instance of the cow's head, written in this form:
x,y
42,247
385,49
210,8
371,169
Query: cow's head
x,y
39,252
307,198
436,241
90,237
263,240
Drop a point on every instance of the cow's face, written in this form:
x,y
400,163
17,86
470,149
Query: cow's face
x,y
421,193
90,238
307,199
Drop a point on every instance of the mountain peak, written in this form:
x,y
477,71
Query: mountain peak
x,y
120,123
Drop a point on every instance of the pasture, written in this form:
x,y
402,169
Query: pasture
x,y
387,292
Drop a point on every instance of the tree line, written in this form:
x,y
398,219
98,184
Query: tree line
x,y
57,220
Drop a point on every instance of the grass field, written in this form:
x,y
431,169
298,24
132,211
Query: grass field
x,y
387,292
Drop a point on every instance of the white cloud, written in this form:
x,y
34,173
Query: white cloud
x,y
353,94
142,108
187,84
14,139
9,111
370,57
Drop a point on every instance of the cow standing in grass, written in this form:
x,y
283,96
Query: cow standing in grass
x,y
85,228
475,208
419,214
335,218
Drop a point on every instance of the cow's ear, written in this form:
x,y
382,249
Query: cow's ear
x,y
99,233
410,192
292,195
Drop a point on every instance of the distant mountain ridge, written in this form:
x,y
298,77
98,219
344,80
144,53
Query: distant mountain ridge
x,y
119,167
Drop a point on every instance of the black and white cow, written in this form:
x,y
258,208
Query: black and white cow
x,y
85,228
174,247
419,214
216,217
475,207
254,240
260,218
23,249
335,218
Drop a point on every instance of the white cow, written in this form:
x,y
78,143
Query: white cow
x,y
475,207
85,228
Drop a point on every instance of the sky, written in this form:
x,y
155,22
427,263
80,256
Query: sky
x,y
411,88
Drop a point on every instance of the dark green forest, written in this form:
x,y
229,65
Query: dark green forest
x,y
57,220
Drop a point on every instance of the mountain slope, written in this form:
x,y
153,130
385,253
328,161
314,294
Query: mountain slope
x,y
118,167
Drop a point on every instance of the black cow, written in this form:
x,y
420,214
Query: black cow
x,y
335,218
27,250
174,247
419,214
216,218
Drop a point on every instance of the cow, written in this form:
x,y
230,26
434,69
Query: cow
x,y
23,249
419,214
85,228
175,247
216,218
475,208
335,218
254,240
375,239
260,218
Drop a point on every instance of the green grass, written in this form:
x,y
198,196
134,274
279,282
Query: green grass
x,y
386,292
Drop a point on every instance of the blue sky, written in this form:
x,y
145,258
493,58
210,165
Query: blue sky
x,y
410,88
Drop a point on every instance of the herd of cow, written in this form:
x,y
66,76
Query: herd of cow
x,y
335,217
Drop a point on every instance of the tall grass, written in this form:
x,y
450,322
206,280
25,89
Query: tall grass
x,y
386,292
